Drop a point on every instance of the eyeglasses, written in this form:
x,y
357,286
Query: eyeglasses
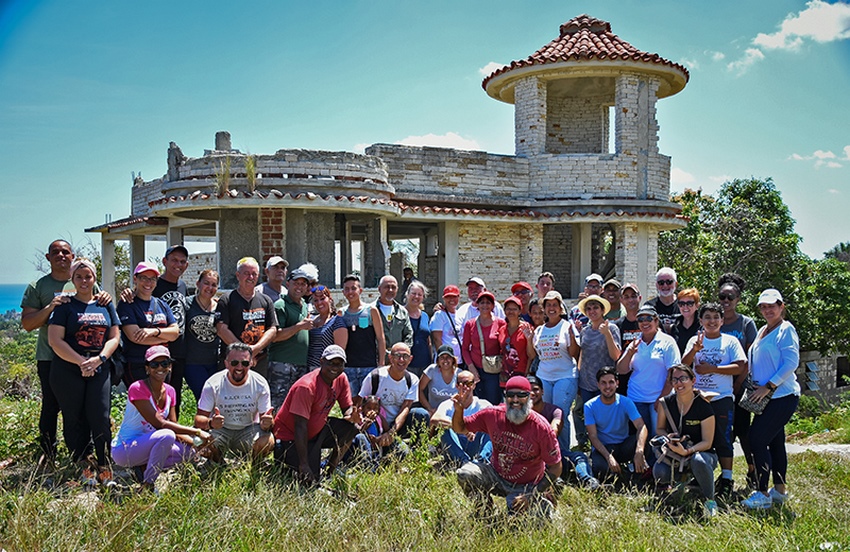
x,y
687,303
244,363
400,356
318,288
157,364
522,292
727,297
146,279
665,282
519,394
680,379
466,383
647,318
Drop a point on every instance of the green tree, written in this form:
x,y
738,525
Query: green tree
x,y
820,304
840,252
747,229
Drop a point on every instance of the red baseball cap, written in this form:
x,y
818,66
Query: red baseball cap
x,y
451,290
519,383
520,286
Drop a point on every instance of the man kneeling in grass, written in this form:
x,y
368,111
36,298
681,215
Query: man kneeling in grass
x,y
235,406
525,458
302,426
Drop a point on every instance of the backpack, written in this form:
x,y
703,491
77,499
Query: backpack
x,y
375,380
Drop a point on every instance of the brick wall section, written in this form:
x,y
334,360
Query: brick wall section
x,y
578,125
443,171
557,249
490,251
272,236
143,194
530,117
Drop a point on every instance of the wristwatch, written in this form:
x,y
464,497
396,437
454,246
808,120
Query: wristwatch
x,y
103,358
771,386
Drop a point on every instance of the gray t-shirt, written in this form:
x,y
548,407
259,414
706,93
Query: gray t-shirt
x,y
594,355
439,390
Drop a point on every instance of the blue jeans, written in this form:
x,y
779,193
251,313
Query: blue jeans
x,y
580,463
561,393
701,466
650,419
356,377
488,388
479,480
196,376
578,413
767,440
459,449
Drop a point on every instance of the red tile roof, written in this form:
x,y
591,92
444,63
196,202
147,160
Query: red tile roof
x,y
586,38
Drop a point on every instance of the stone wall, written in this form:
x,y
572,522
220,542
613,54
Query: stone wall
x,y
578,125
449,172
499,254
557,255
530,99
142,194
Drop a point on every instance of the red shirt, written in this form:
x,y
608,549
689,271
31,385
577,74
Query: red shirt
x,y
472,341
520,452
519,343
310,397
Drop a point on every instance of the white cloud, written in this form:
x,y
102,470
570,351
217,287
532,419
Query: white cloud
x,y
720,179
717,56
689,63
833,191
751,56
360,148
820,21
846,153
833,165
820,154
447,140
823,158
489,68
680,177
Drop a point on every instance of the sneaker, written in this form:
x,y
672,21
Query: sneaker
x,y
777,497
710,508
724,488
592,484
757,501
104,478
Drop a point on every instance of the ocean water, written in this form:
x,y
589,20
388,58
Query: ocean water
x,y
10,297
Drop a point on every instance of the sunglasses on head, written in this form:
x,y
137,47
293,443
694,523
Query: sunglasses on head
x,y
519,394
318,288
666,282
244,363
155,364
727,296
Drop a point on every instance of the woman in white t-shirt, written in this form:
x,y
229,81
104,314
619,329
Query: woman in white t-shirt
x,y
557,350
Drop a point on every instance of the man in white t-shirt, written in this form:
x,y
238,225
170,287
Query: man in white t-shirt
x,y
235,406
459,449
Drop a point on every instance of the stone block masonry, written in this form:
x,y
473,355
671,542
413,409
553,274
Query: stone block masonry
x,y
491,252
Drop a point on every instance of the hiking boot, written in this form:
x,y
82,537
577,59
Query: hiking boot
x,y
777,497
710,508
757,501
724,488
88,478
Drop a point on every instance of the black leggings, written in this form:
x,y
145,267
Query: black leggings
x,y
85,409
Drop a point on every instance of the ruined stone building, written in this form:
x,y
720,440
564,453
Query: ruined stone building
x,y
566,202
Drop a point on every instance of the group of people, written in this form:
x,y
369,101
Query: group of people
x,y
268,361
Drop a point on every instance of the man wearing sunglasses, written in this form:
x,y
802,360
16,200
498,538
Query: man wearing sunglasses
x,y
525,460
665,303
235,407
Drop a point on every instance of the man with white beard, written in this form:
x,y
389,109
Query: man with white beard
x,y
525,460
665,304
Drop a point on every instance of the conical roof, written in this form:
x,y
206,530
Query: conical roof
x,y
586,42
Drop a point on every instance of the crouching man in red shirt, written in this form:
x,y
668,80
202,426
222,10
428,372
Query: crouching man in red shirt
x,y
526,459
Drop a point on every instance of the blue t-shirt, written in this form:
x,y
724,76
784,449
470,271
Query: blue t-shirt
x,y
154,313
611,420
421,349
86,324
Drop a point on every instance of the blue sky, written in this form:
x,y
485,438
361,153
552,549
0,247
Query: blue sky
x,y
92,91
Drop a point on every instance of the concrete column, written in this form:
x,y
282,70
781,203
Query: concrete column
x,y
582,256
237,236
173,236
448,269
137,251
376,253
530,117
345,249
296,237
107,265
319,244
647,257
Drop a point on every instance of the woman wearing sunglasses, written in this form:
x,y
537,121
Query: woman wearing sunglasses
x,y
688,324
328,328
694,422
150,434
